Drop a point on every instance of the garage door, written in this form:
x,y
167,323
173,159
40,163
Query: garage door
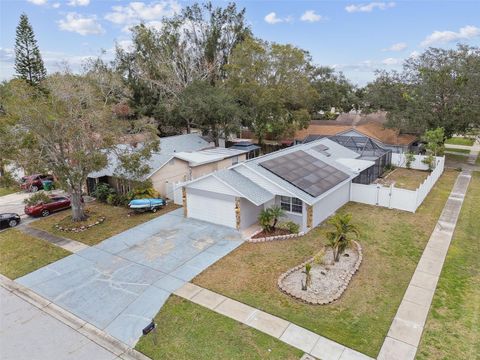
x,y
211,207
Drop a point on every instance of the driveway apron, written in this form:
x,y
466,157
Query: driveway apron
x,y
120,284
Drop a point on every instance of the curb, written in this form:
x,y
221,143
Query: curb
x,y
91,332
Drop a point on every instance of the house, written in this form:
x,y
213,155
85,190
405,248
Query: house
x,y
181,158
370,126
309,181
251,149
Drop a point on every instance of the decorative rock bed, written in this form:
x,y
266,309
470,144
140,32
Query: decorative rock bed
x,y
328,282
81,228
277,237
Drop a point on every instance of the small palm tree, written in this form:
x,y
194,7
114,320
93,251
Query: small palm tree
x,y
265,219
341,238
276,212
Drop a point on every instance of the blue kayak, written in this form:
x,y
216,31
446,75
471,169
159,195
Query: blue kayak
x,y
146,204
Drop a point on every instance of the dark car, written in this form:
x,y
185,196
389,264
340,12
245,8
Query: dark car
x,y
34,182
9,220
57,203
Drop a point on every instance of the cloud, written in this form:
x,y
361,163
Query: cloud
x,y
78,2
311,16
414,54
272,18
353,8
396,47
441,37
56,5
137,12
38,2
391,61
81,24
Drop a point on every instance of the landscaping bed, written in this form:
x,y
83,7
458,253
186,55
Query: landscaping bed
x,y
117,220
452,330
93,219
392,243
404,178
189,331
21,254
268,234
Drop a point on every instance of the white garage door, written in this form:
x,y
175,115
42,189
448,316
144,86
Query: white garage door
x,y
211,207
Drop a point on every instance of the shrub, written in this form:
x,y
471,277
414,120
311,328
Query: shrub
x,y
268,218
7,180
291,226
410,157
143,190
103,191
117,200
319,258
37,198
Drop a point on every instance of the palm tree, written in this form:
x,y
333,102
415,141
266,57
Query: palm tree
x,y
276,212
265,219
341,238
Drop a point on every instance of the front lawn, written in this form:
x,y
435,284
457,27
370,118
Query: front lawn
x,y
392,242
116,222
460,159
452,330
6,191
21,254
460,141
460,151
409,179
189,331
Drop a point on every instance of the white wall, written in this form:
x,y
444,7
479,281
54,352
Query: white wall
x,y
248,213
330,203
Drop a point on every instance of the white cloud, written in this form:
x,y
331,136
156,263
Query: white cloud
x,y
38,2
441,37
272,18
311,16
353,8
396,47
81,24
137,12
56,5
78,2
414,54
391,61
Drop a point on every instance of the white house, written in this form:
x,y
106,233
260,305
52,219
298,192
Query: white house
x,y
309,181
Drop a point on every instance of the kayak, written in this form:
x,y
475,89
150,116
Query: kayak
x,y
146,204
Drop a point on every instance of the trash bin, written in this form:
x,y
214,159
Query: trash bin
x,y
47,185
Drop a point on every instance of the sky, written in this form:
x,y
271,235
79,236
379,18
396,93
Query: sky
x,y
355,37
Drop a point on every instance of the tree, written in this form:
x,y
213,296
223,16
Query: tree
x,y
28,61
435,140
334,90
271,83
70,130
342,236
439,88
268,218
209,108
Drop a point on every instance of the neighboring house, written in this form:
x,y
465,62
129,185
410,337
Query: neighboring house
x,y
252,150
169,146
309,181
369,125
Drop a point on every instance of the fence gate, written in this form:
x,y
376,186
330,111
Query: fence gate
x,y
174,192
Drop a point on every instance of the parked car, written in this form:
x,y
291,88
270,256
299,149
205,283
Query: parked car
x,y
44,209
9,220
34,182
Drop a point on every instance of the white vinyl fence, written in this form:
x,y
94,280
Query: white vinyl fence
x,y
395,198
174,192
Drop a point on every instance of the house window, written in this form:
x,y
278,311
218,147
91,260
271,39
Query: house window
x,y
291,204
235,160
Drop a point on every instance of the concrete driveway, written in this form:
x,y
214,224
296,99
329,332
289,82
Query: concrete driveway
x,y
120,284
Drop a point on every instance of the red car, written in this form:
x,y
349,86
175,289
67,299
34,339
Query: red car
x,y
44,209
34,183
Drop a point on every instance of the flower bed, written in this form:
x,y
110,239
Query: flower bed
x,y
328,280
279,234
67,225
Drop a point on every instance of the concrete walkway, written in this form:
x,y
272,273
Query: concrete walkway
x,y
31,327
67,244
406,330
296,336
474,151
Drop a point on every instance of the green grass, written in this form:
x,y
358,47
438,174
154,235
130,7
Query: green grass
x,y
21,254
452,330
460,151
392,242
117,221
456,158
409,179
460,141
189,331
6,191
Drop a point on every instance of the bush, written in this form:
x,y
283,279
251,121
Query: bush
x,y
291,226
7,180
38,197
144,191
103,191
410,157
117,200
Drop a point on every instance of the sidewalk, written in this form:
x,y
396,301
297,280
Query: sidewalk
x,y
67,244
33,328
406,330
294,335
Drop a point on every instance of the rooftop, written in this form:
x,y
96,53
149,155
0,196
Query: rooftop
x,y
200,157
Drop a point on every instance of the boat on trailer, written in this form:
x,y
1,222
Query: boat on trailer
x,y
146,204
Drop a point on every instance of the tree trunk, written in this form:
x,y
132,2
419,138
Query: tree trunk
x,y
78,212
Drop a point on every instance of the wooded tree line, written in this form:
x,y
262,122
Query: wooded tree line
x,y
205,69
